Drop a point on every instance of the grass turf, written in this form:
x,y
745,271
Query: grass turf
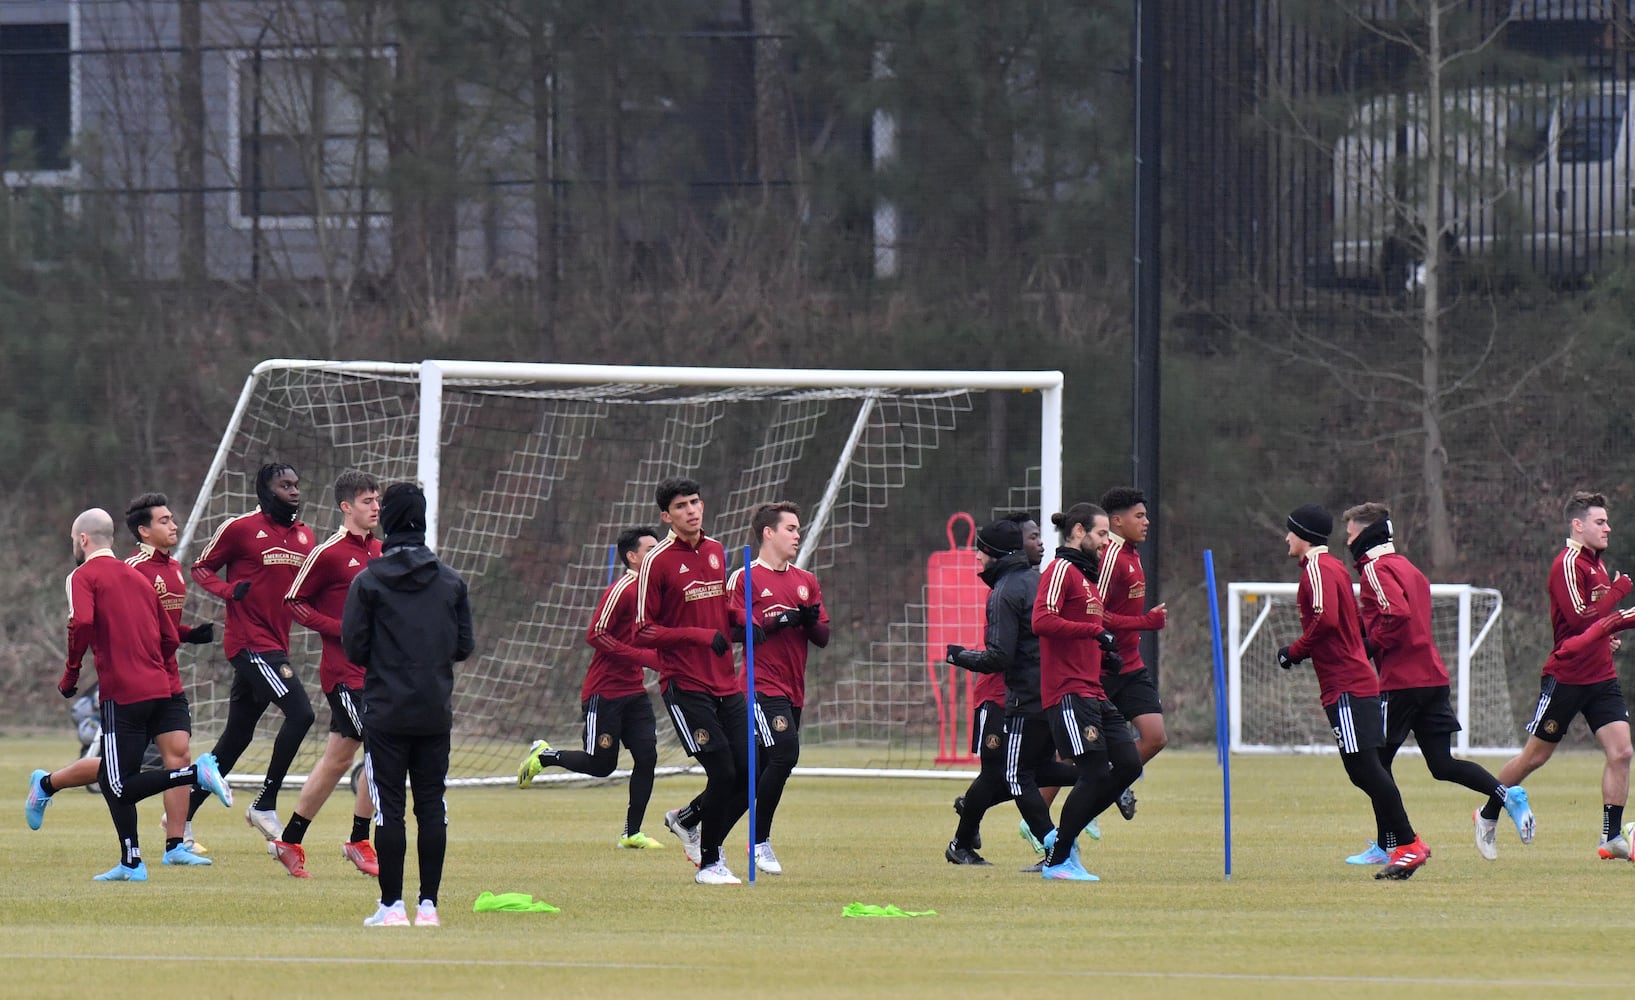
x,y
1549,917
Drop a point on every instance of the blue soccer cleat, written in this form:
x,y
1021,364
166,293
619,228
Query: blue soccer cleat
x,y
1068,871
34,807
180,855
209,778
1072,852
119,873
1515,803
1375,855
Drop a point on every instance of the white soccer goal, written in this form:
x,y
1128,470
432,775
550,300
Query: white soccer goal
x,y
1277,711
531,470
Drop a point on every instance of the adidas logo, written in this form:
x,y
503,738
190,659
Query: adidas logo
x,y
350,563
766,593
261,534
684,568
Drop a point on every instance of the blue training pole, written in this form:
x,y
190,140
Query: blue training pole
x,y
612,563
1223,749
749,697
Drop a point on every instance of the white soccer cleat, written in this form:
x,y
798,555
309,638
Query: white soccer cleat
x,y
716,874
689,838
765,860
1615,849
1487,836
388,916
266,823
425,915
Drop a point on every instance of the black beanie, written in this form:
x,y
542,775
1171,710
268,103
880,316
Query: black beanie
x,y
1312,523
403,510
1000,538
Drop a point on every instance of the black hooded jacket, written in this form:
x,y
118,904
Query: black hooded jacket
x,y
407,622
1012,648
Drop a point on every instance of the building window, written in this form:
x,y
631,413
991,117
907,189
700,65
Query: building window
x,y
311,144
36,104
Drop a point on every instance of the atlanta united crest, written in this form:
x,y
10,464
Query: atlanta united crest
x,y
779,724
701,736
604,741
1090,734
715,563
803,592
992,742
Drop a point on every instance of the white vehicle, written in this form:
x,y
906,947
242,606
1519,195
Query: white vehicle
x,y
1538,176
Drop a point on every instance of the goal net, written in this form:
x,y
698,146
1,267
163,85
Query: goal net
x,y
531,471
1278,711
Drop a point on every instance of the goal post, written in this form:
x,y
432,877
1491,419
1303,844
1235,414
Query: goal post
x,y
1277,711
531,470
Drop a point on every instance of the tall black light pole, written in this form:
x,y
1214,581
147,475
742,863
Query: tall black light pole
x,y
1147,53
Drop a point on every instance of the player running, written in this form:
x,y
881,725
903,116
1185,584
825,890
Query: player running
x,y
1123,585
1396,617
1331,637
114,612
681,610
614,697
1580,677
1086,727
260,552
788,608
317,599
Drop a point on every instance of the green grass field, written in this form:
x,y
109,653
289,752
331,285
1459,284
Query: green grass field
x,y
1293,920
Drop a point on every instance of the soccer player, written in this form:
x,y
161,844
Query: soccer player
x,y
1584,680
317,599
1087,728
114,612
681,610
788,606
407,621
1331,637
1011,648
149,519
1396,617
261,552
614,696
1123,586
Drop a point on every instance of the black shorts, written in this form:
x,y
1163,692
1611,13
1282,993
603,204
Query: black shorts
x,y
611,721
346,712
148,719
1356,722
1558,703
1421,711
263,677
777,722
1081,725
706,723
1134,693
988,727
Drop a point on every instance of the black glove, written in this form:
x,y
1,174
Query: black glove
x,y
719,645
759,633
953,653
784,620
809,613
69,685
240,589
1108,642
1111,662
201,635
1285,660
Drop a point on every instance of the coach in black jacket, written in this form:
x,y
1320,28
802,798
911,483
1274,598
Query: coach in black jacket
x,y
1030,758
407,622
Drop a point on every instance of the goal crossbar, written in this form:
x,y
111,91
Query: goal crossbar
x,y
432,374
